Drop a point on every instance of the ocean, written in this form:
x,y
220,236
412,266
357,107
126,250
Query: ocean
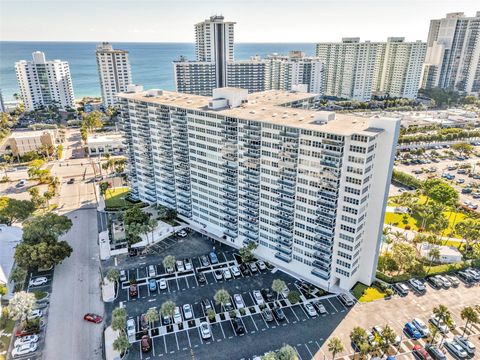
x,y
151,62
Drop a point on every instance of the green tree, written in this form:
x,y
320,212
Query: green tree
x,y
433,255
358,335
462,148
469,230
41,255
169,262
335,346
287,352
470,316
13,210
119,319
45,228
20,305
18,275
293,297
278,286
246,252
441,192
121,343
92,120
269,356
442,313
167,308
152,315
404,255
47,195
221,297
113,275
387,338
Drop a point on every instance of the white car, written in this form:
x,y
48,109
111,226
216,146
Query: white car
x,y
285,292
205,330
439,324
421,327
261,265
151,271
123,275
257,295
417,285
34,314
235,271
180,266
177,316
24,349
466,344
131,328
445,282
188,264
25,340
455,349
238,299
162,284
310,309
42,280
227,274
473,273
187,311
182,233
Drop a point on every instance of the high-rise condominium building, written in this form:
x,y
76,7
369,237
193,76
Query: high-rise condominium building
x,y
453,54
44,83
215,66
308,187
113,70
356,70
2,104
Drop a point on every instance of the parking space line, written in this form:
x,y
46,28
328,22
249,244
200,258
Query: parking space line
x,y
140,351
254,322
153,347
200,335
188,337
301,307
165,343
221,327
195,278
311,355
178,286
186,280
332,305
299,356
176,339
294,313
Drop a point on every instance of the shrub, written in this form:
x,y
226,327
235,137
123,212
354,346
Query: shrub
x,y
211,315
242,311
233,314
293,297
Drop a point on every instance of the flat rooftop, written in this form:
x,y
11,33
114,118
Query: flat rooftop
x,y
265,107
31,133
101,138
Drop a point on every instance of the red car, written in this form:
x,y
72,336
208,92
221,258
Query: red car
x,y
25,332
146,343
421,353
94,318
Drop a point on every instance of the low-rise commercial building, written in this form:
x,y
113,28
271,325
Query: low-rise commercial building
x,y
108,143
21,142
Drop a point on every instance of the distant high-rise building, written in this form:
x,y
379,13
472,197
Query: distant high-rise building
x,y
453,54
113,70
43,83
309,188
215,66
356,70
2,104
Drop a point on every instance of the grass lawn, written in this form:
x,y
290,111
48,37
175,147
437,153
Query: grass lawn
x,y
115,198
366,294
7,329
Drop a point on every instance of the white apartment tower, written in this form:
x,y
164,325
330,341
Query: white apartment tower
x,y
310,188
2,104
43,83
453,54
113,70
356,70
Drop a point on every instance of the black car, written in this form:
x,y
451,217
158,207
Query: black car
x,y
206,305
434,282
204,260
201,278
278,313
243,268
465,277
435,352
238,326
71,181
166,320
268,295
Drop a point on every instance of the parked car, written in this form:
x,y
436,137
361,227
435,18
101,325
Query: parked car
x,y
235,271
421,327
446,284
166,320
123,275
435,352
466,344
453,280
206,305
187,311
455,349
439,324
228,306
261,265
205,330
26,332
146,343
94,318
25,340
180,266
201,278
257,296
473,273
133,290
417,285
238,326
182,233
21,183
144,325
465,277
401,289
204,260
71,181
38,281
243,268
434,281
24,349
152,285
267,314
238,299
213,258
346,300
253,267
320,307
177,316
34,314
310,309
151,271
268,295
131,330
278,313
188,264
227,274
412,331
218,274
162,284
421,353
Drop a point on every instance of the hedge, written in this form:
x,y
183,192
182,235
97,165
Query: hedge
x,y
434,270
406,179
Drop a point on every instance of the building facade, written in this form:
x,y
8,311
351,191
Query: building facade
x,y
2,104
309,188
113,71
43,83
453,55
356,70
21,142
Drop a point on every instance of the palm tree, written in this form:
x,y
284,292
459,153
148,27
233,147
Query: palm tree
x,y
335,346
167,308
471,317
121,343
169,261
278,286
48,196
152,315
387,338
221,297
442,313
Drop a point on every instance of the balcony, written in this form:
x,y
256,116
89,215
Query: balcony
x,y
229,157
184,200
184,206
230,165
169,200
287,218
322,257
321,274
170,188
285,191
230,234
184,213
252,181
251,213
287,183
250,235
285,208
229,211
250,227
230,226
331,164
287,226
167,167
230,189
252,127
284,233
151,193
324,231
230,181
286,201
250,172
252,154
283,249
320,265
289,134
288,172
230,196
322,247
282,241
250,205
283,257
251,220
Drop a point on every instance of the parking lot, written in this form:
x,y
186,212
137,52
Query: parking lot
x,y
184,340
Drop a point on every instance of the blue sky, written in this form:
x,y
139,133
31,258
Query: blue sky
x,y
257,21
